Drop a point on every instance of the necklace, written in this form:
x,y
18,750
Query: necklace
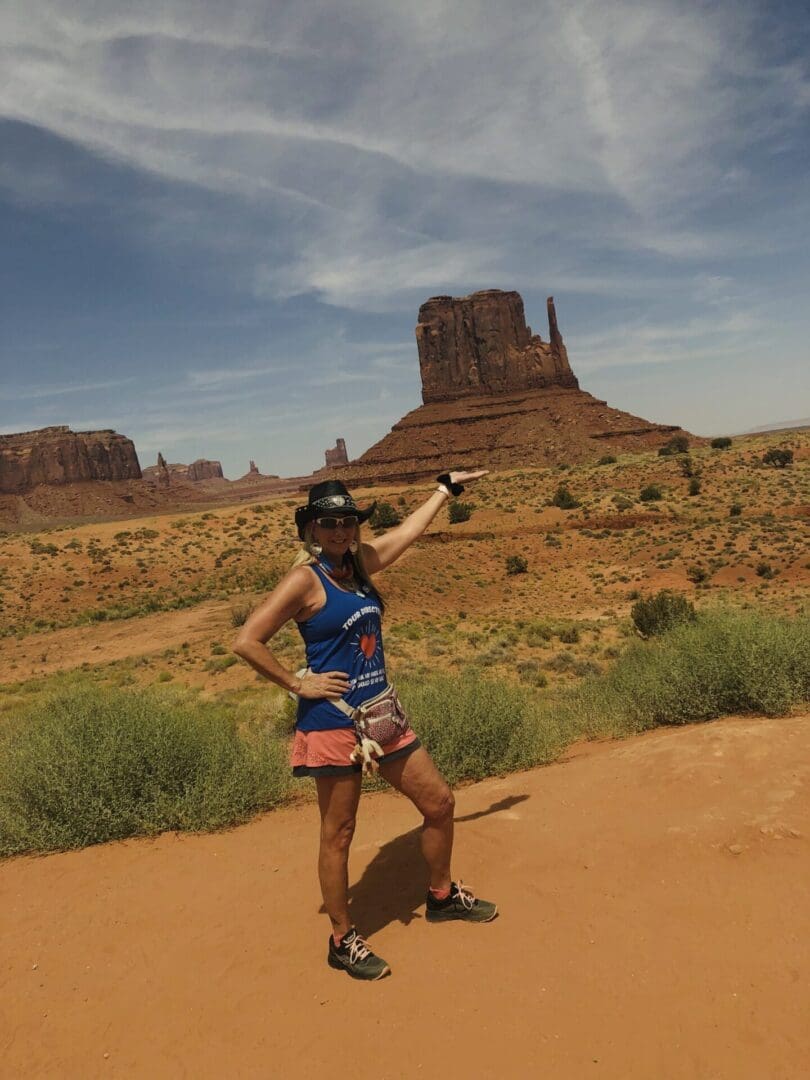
x,y
344,576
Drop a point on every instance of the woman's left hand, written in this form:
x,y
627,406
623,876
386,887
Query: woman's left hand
x,y
466,477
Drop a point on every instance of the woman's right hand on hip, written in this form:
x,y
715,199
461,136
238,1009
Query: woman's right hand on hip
x,y
325,684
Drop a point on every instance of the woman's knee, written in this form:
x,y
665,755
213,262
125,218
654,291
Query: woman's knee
x,y
440,806
337,836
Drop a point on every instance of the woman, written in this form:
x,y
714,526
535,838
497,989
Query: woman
x,y
330,595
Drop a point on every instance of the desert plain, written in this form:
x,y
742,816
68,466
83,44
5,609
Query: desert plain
x,y
653,891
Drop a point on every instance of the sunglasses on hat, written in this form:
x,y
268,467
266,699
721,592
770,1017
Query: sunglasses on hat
x,y
347,521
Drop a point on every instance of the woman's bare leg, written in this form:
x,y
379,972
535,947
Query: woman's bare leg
x,y
417,777
338,797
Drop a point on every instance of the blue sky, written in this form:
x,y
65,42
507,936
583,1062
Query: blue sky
x,y
219,221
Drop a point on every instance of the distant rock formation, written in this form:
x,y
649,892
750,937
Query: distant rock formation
x,y
253,468
201,469
57,455
480,344
497,396
338,456
164,479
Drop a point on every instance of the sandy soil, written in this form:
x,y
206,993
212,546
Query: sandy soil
x,y
654,924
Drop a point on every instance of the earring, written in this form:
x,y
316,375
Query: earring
x,y
353,547
315,548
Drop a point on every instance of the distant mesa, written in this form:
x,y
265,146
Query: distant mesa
x,y
58,456
497,396
480,344
338,455
201,469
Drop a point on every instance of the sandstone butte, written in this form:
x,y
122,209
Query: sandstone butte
x,y
497,396
57,455
201,469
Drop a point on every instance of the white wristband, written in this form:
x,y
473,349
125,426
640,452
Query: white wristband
x,y
444,491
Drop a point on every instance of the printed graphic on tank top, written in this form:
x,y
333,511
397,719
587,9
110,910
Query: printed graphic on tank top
x,y
345,635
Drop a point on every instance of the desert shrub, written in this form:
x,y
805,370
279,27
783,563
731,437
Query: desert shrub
x,y
569,636
240,613
606,459
563,498
384,516
687,466
472,726
656,614
650,493
537,634
679,444
516,564
735,509
459,511
777,457
721,443
723,662
89,764
765,570
697,573
694,486
622,503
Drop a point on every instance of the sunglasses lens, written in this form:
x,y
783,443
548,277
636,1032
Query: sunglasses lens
x,y
336,522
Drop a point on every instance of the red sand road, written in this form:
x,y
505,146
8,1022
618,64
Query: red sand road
x,y
654,924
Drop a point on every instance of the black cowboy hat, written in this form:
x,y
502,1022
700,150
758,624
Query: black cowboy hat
x,y
329,497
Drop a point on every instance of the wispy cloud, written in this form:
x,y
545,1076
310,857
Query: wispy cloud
x,y
319,168
59,390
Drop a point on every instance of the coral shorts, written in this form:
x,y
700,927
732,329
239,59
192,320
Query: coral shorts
x,y
326,753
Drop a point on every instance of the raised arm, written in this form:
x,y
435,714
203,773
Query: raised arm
x,y
386,549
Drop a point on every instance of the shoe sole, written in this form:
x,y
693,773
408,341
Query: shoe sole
x,y
437,917
336,964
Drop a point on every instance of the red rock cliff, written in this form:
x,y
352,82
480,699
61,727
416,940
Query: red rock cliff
x,y
57,455
480,344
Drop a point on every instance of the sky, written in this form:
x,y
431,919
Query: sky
x,y
218,221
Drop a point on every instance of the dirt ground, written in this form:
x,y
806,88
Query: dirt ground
x,y
654,924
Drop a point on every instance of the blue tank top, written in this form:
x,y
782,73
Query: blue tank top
x,y
345,635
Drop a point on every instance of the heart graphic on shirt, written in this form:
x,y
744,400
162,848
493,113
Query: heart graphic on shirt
x,y
368,645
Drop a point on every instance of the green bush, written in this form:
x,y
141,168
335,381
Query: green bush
x,y
90,764
694,486
563,498
472,727
679,444
722,663
459,511
721,443
656,614
765,570
687,466
607,459
569,635
650,493
778,458
384,516
735,509
516,564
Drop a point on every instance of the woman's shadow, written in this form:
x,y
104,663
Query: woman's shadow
x,y
394,884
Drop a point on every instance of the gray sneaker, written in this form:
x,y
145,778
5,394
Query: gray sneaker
x,y
460,904
355,957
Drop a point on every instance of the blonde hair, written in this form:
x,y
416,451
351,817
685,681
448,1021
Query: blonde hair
x,y
305,557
